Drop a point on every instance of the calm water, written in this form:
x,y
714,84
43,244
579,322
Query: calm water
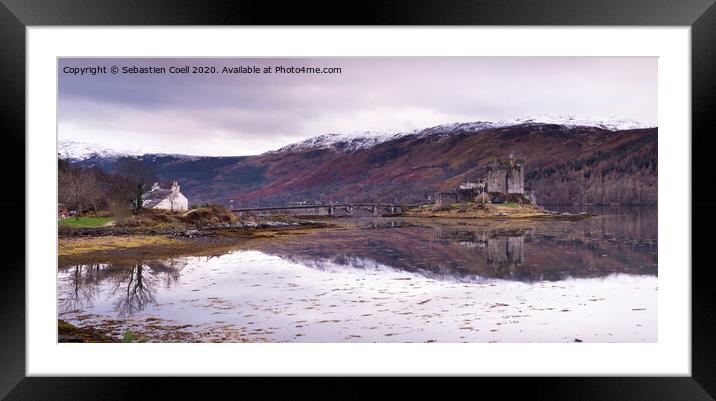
x,y
392,280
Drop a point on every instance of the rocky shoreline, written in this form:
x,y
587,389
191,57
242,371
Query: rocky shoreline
x,y
99,244
188,232
69,333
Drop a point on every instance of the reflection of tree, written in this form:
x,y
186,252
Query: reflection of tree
x,y
134,291
168,270
133,287
81,287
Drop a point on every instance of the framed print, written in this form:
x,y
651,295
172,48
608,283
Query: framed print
x,y
477,189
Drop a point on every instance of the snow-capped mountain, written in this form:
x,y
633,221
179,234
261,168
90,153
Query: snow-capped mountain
x,y
352,142
74,150
78,151
572,161
610,124
356,141
349,142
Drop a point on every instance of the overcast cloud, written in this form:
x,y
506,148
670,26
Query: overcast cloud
x,y
244,114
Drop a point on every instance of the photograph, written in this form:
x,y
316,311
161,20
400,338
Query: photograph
x,y
442,199
258,193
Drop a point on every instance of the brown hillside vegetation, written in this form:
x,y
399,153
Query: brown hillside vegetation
x,y
564,166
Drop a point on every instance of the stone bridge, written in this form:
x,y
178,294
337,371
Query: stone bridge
x,y
376,209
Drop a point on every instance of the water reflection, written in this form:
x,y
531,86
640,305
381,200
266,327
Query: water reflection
x,y
391,280
621,242
504,251
130,287
78,287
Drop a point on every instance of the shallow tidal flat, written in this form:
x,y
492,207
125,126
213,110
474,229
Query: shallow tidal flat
x,y
251,296
388,280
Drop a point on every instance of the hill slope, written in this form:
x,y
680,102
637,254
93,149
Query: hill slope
x,y
565,164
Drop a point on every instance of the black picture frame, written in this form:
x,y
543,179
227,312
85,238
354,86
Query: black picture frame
x,y
16,15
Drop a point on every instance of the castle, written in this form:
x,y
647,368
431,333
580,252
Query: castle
x,y
503,177
506,177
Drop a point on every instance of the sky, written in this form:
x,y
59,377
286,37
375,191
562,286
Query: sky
x,y
233,114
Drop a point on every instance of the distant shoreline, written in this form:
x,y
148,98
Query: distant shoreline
x,y
493,212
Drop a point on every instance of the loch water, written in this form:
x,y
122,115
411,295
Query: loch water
x,y
391,280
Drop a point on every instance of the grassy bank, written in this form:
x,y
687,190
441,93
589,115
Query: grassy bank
x,y
115,248
154,234
84,221
98,245
208,220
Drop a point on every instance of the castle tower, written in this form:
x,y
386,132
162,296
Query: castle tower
x,y
496,177
507,177
516,178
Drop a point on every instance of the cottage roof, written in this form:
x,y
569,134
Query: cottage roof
x,y
153,198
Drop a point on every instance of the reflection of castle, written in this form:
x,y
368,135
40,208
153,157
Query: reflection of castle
x,y
505,253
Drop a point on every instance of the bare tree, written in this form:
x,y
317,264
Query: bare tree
x,y
140,176
78,188
119,207
120,198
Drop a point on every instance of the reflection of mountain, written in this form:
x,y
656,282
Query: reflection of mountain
x,y
618,241
131,287
549,251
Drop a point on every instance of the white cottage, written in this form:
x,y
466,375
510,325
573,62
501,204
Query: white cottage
x,y
167,199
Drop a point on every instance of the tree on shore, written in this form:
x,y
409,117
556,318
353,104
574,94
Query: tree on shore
x,y
120,198
139,175
79,189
